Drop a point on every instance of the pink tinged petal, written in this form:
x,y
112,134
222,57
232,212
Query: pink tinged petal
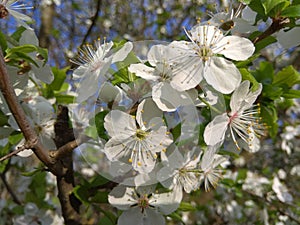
x,y
118,123
143,71
122,197
236,48
222,75
146,111
214,132
166,203
122,53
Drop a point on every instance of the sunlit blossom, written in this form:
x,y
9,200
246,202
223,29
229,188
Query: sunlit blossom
x,y
243,120
200,59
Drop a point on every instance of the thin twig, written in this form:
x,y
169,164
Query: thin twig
x,y
94,19
9,189
15,152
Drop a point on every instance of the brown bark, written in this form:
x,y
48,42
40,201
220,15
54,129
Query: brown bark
x,y
47,14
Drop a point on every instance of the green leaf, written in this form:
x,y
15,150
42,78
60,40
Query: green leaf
x,y
264,74
18,33
186,207
59,78
246,75
38,189
3,119
23,48
99,197
64,99
270,118
3,42
270,4
99,122
98,181
33,172
257,6
15,138
82,193
272,92
291,11
287,76
291,94
4,151
264,43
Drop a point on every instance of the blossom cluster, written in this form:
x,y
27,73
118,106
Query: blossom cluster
x,y
167,85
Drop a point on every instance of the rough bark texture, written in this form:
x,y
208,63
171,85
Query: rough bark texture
x,y
65,183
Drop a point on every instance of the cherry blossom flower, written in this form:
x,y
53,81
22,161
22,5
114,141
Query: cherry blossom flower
x,y
136,140
164,95
94,62
41,116
141,206
242,121
10,6
200,59
181,173
209,163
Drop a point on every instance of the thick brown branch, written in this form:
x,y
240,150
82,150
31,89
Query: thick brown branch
x,y
68,148
16,109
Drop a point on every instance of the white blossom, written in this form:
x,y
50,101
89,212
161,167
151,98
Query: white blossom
x,y
142,206
11,7
200,59
164,95
242,121
94,62
136,140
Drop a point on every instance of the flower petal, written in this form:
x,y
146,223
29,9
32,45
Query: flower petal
x,y
118,123
122,53
214,132
143,71
222,75
166,203
236,48
122,197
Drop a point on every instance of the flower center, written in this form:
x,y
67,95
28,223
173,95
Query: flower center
x,y
204,52
143,202
3,12
141,134
232,117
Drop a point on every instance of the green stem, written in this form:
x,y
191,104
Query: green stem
x,y
210,106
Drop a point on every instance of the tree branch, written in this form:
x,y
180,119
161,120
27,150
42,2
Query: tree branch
x,y
16,109
19,149
94,19
67,148
277,24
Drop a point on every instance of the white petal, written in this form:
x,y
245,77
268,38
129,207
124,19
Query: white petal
x,y
88,87
187,74
19,16
214,132
121,197
29,37
167,98
122,53
166,203
156,54
236,48
239,95
289,38
143,71
208,157
222,75
146,111
43,73
118,123
206,34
